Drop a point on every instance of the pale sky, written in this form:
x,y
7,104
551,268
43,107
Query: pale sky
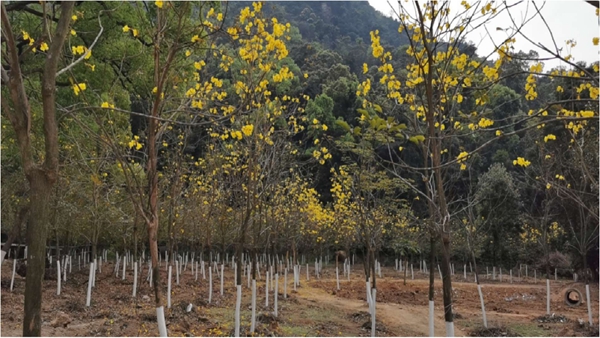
x,y
568,19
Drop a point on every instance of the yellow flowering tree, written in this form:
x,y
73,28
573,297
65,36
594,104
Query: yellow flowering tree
x,y
443,99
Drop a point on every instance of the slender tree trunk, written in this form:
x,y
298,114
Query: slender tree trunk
x,y
41,192
431,265
238,285
447,282
68,242
494,249
405,269
253,258
293,252
135,238
373,268
153,244
94,246
152,174
57,249
171,242
483,313
431,284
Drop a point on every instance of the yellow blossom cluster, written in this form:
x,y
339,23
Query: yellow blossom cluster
x,y
135,143
520,161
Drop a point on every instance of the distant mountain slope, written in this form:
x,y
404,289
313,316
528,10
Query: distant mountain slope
x,y
332,22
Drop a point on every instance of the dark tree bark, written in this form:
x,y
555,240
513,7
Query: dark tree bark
x,y
431,265
253,258
135,238
373,271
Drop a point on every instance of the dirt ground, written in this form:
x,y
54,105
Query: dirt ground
x,y
315,309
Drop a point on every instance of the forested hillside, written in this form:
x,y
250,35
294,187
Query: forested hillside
x,y
293,129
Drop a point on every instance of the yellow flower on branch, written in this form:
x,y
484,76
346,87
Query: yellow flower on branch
x,y
484,123
521,162
248,129
78,87
462,156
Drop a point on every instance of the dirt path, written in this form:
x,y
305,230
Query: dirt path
x,y
400,320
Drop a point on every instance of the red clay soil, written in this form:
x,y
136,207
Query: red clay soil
x,y
315,310
524,302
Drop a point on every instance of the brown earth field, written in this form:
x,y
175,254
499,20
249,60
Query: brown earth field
x,y
316,308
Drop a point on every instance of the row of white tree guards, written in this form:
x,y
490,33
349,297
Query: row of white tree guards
x,y
65,266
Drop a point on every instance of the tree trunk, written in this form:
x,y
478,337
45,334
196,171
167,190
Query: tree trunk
x,y
373,268
431,284
135,239
431,265
68,242
41,192
483,313
447,282
494,248
152,241
547,261
366,264
405,269
293,252
94,248
171,244
57,249
253,267
152,174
